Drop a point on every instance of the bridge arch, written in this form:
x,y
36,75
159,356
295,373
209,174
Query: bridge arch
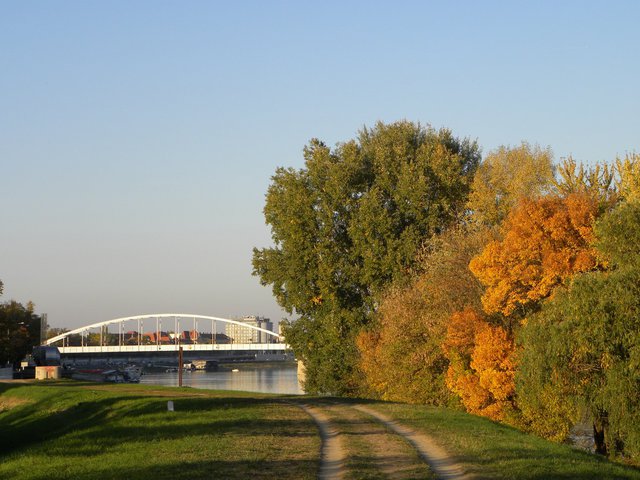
x,y
156,316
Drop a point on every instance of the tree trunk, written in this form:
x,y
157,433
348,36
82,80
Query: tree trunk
x,y
598,437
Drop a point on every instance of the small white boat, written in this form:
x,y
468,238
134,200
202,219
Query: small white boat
x,y
235,370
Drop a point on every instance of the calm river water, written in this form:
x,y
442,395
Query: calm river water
x,y
268,378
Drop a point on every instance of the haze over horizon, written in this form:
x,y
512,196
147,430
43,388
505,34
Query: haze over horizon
x,y
137,140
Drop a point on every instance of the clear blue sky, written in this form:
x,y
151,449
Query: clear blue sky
x,y
137,139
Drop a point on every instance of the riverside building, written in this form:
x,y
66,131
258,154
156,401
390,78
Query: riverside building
x,y
242,334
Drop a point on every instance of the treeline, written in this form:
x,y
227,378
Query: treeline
x,y
19,331
508,286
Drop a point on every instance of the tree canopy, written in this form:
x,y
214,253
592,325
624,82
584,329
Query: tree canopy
x,y
628,177
401,354
349,223
583,348
546,241
481,365
19,331
507,175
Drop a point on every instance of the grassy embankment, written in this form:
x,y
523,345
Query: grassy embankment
x,y
82,430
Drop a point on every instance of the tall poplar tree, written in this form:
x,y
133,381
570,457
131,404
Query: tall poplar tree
x,y
349,223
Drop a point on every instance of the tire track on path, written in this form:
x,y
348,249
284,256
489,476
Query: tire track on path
x,y
444,465
373,450
332,454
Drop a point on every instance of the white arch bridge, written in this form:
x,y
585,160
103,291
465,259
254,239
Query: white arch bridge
x,y
145,334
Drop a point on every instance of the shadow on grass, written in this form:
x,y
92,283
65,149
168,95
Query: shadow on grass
x,y
228,470
39,421
90,444
543,463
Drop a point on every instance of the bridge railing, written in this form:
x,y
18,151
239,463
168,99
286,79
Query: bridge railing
x,y
257,347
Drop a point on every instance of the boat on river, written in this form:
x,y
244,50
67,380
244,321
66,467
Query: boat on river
x,y
126,374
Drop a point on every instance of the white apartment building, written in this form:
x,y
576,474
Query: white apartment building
x,y
242,334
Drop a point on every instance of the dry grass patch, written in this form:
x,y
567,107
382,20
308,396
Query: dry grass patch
x,y
7,402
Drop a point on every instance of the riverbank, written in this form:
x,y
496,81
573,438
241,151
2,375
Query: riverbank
x,y
67,429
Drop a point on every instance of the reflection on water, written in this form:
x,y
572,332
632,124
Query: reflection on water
x,y
268,378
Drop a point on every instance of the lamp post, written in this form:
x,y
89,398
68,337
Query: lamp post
x,y
180,366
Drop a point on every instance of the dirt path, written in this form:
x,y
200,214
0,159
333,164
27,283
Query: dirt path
x,y
332,455
359,442
372,450
440,461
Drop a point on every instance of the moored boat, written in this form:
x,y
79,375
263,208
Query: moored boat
x,y
126,374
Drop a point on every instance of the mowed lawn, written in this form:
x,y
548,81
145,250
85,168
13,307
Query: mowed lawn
x,y
68,430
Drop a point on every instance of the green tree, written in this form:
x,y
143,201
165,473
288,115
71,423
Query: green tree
x,y
349,223
583,349
19,331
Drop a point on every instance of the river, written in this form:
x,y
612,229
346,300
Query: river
x,y
281,378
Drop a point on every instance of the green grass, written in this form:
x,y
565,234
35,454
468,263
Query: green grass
x,y
64,429
67,430
491,450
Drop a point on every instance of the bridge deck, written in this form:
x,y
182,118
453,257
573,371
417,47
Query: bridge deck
x,y
198,347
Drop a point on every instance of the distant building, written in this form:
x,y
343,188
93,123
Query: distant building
x,y
156,337
186,337
242,334
204,338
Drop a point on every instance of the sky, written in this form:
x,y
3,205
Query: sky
x,y
138,139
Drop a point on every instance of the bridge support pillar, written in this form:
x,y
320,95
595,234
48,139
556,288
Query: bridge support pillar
x,y
302,373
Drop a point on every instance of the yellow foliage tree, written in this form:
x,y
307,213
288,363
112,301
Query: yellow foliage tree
x,y
481,365
628,177
506,175
596,182
545,241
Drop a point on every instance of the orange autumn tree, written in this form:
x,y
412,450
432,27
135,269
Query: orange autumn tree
x,y
545,242
481,367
